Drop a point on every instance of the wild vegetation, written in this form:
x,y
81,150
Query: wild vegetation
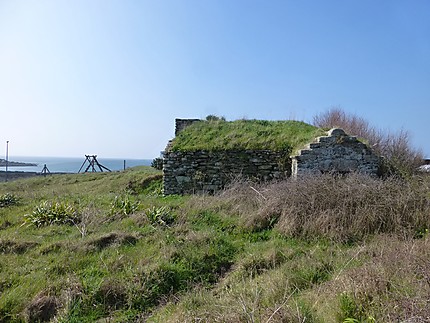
x,y
218,134
320,249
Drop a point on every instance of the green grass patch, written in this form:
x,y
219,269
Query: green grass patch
x,y
245,135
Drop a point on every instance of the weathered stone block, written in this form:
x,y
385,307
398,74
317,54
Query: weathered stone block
x,y
183,179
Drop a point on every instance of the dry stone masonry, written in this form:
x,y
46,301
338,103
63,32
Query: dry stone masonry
x,y
188,172
181,124
336,153
204,171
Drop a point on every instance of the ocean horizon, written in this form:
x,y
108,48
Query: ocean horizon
x,y
72,164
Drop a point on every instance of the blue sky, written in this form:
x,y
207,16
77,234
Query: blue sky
x,y
109,77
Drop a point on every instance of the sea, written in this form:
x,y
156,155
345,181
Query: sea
x,y
72,164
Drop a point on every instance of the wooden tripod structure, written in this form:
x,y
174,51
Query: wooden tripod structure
x,y
93,162
45,171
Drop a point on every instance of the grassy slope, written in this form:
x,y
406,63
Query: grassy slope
x,y
207,264
245,134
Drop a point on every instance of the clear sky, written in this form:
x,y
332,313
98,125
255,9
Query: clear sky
x,y
108,77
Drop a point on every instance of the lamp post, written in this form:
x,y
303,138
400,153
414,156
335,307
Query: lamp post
x,y
7,156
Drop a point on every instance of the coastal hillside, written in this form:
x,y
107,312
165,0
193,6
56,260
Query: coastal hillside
x,y
108,247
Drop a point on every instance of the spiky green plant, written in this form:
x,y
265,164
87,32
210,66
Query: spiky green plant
x,y
8,199
159,215
124,205
49,213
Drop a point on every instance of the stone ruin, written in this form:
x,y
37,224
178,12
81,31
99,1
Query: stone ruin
x,y
189,172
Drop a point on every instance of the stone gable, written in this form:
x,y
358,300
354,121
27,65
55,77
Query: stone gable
x,y
337,153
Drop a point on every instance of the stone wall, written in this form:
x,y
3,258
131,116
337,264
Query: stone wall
x,y
203,171
181,124
337,153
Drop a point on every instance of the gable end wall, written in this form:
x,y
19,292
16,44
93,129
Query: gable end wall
x,y
337,153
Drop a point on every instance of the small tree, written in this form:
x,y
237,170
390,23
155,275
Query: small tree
x,y
399,156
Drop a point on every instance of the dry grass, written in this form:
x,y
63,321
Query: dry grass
x,y
391,285
386,277
345,209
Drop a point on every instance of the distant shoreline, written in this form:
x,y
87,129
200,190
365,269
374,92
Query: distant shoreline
x,y
15,164
68,165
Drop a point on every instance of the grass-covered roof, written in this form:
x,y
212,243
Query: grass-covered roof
x,y
216,135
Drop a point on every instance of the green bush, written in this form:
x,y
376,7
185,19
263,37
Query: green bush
x,y
49,213
8,200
